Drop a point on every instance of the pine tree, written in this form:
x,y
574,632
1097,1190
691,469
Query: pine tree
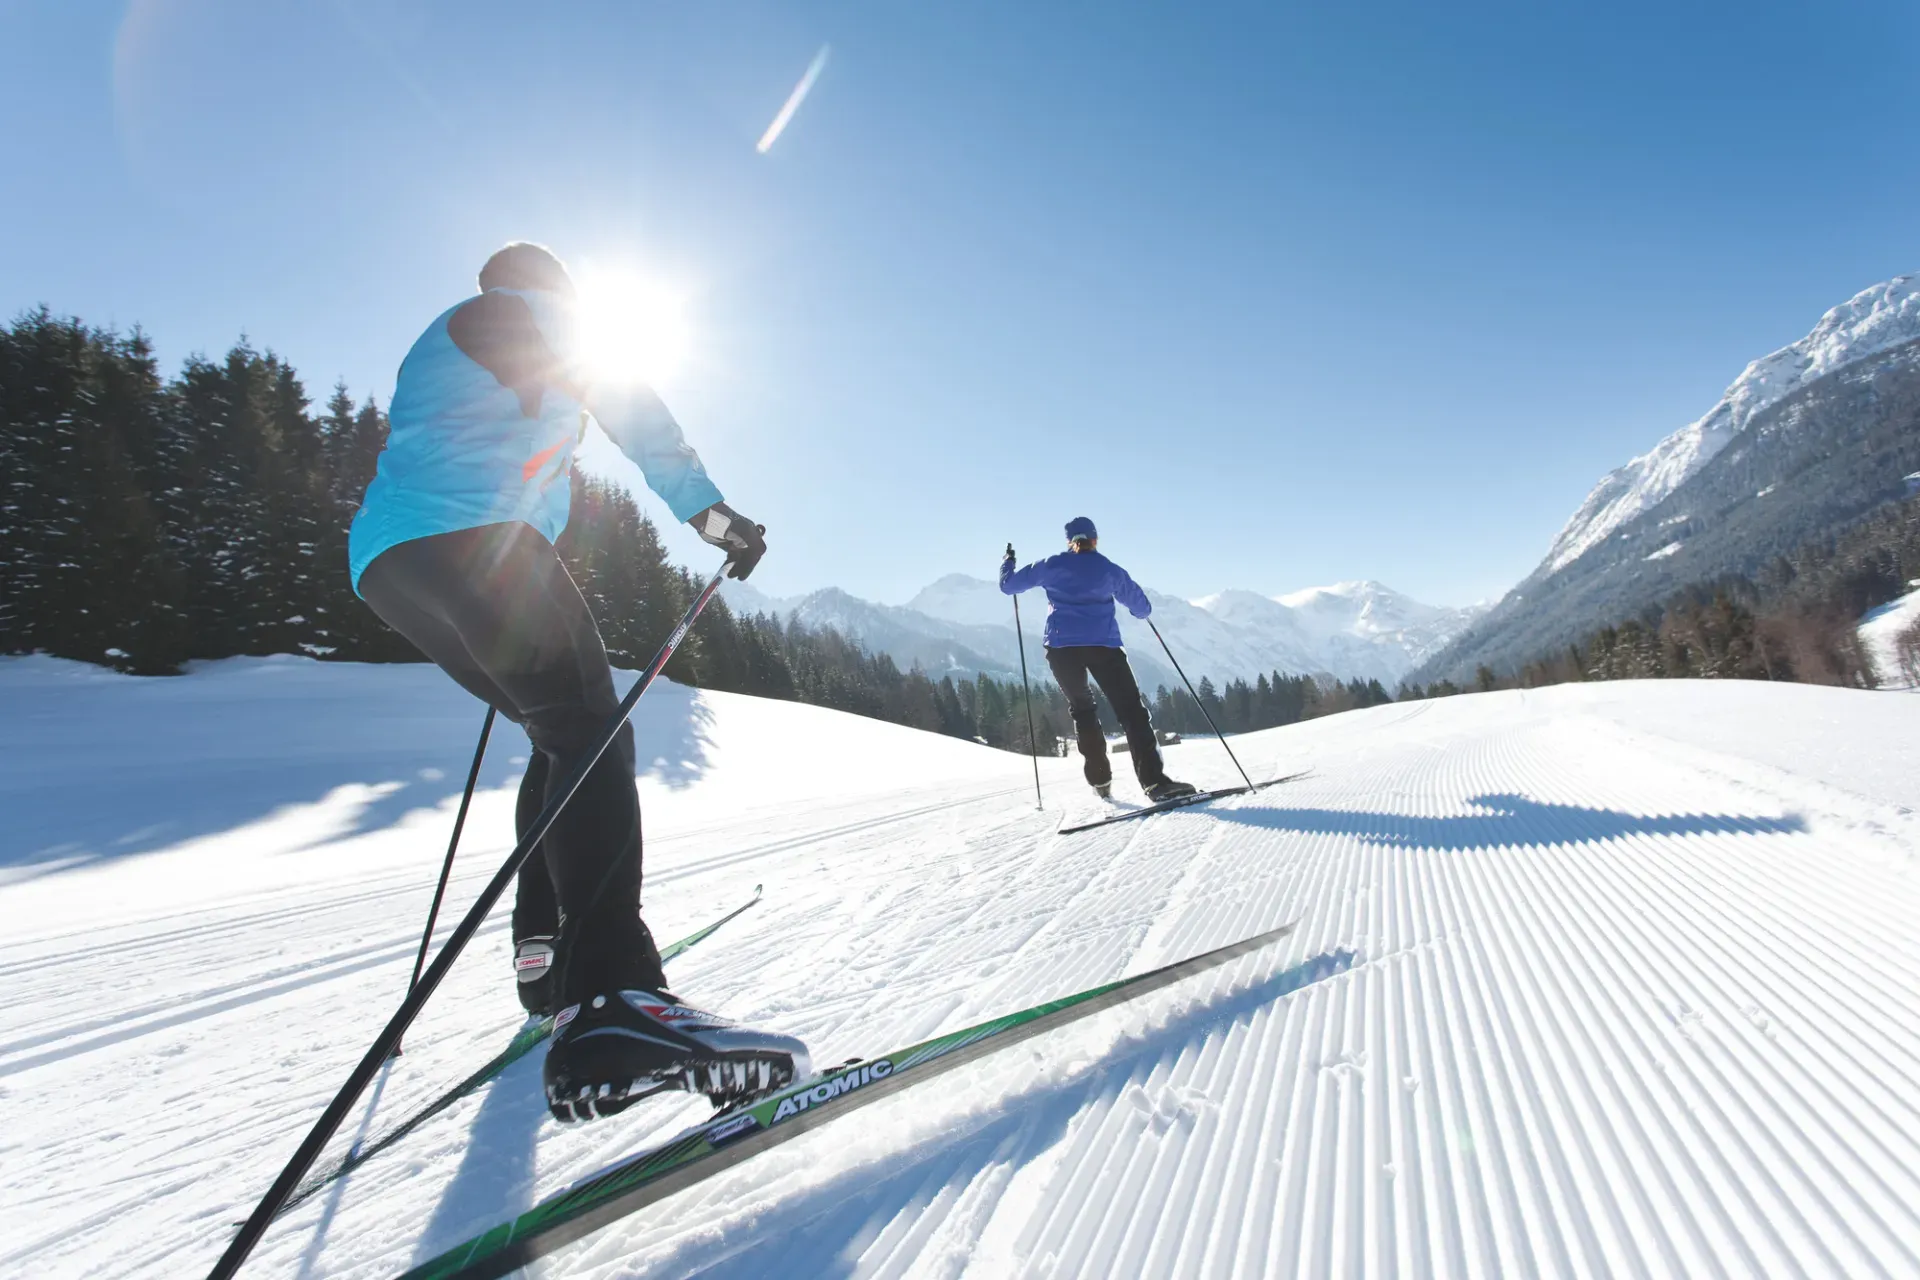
x,y
1164,713
82,573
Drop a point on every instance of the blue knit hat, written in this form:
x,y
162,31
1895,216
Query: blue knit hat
x,y
1081,527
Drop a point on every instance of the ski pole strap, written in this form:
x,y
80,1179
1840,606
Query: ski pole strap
x,y
336,1113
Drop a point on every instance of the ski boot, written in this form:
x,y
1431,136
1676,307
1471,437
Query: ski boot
x,y
1168,789
1104,790
533,967
622,1046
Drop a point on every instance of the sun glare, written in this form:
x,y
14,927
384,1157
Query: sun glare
x,y
632,329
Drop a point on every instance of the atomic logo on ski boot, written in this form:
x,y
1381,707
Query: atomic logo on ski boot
x,y
620,1047
533,973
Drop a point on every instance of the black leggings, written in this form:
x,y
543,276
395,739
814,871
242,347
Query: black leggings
x,y
1071,665
495,608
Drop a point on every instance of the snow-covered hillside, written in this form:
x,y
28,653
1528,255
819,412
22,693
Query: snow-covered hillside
x,y
1594,980
1880,631
1351,629
1873,320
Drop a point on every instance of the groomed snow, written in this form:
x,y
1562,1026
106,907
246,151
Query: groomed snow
x,y
1596,980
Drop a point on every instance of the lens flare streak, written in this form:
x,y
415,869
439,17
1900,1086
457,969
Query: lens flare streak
x,y
792,104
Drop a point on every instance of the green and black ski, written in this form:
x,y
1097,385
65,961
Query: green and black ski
x,y
726,1141
1181,802
525,1041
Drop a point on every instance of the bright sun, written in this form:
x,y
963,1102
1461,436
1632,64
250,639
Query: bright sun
x,y
632,328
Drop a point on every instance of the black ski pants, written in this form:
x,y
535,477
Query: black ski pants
x,y
495,608
1071,665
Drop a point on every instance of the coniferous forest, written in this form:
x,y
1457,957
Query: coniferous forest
x,y
147,522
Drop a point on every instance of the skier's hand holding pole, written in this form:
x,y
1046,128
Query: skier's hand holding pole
x,y
743,540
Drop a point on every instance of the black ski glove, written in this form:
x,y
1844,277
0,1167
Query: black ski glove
x,y
1010,554
743,541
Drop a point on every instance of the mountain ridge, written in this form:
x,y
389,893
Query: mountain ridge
x,y
1876,319
959,624
1803,443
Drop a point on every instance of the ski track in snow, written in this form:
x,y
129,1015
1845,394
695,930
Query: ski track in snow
x,y
1583,985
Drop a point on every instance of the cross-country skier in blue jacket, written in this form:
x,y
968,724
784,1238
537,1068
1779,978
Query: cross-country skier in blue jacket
x,y
1082,639
453,548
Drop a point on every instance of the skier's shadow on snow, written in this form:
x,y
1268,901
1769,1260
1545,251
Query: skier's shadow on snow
x,y
1505,821
824,1230
497,1163
188,760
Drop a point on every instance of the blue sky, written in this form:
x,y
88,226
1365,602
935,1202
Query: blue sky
x,y
1280,294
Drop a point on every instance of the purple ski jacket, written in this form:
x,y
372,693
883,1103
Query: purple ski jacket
x,y
1081,588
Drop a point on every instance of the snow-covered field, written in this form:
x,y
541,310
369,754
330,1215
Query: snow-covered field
x,y
1597,980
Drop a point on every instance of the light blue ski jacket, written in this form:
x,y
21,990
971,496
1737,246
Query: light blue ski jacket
x,y
489,407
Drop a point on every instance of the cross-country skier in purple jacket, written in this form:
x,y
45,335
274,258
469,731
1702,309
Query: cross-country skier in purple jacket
x,y
1082,639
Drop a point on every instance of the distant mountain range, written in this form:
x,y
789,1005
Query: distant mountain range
x,y
962,625
1804,442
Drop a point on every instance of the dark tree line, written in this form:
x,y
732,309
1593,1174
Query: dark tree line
x,y
148,522
1266,703
145,523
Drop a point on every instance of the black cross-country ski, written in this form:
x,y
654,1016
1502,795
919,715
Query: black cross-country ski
x,y
1181,802
525,1041
719,1144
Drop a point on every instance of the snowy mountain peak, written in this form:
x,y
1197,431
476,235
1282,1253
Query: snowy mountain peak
x,y
967,600
1370,609
1364,587
1349,629
1874,320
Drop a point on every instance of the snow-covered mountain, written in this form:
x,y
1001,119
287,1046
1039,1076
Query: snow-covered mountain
x,y
1873,320
960,623
1348,615
909,636
963,599
1805,441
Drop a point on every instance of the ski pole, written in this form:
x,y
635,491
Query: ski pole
x,y
1203,706
1033,743
446,868
323,1129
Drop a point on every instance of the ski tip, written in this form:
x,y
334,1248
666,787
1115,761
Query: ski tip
x,y
757,891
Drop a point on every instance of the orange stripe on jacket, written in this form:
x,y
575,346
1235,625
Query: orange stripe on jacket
x,y
540,460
